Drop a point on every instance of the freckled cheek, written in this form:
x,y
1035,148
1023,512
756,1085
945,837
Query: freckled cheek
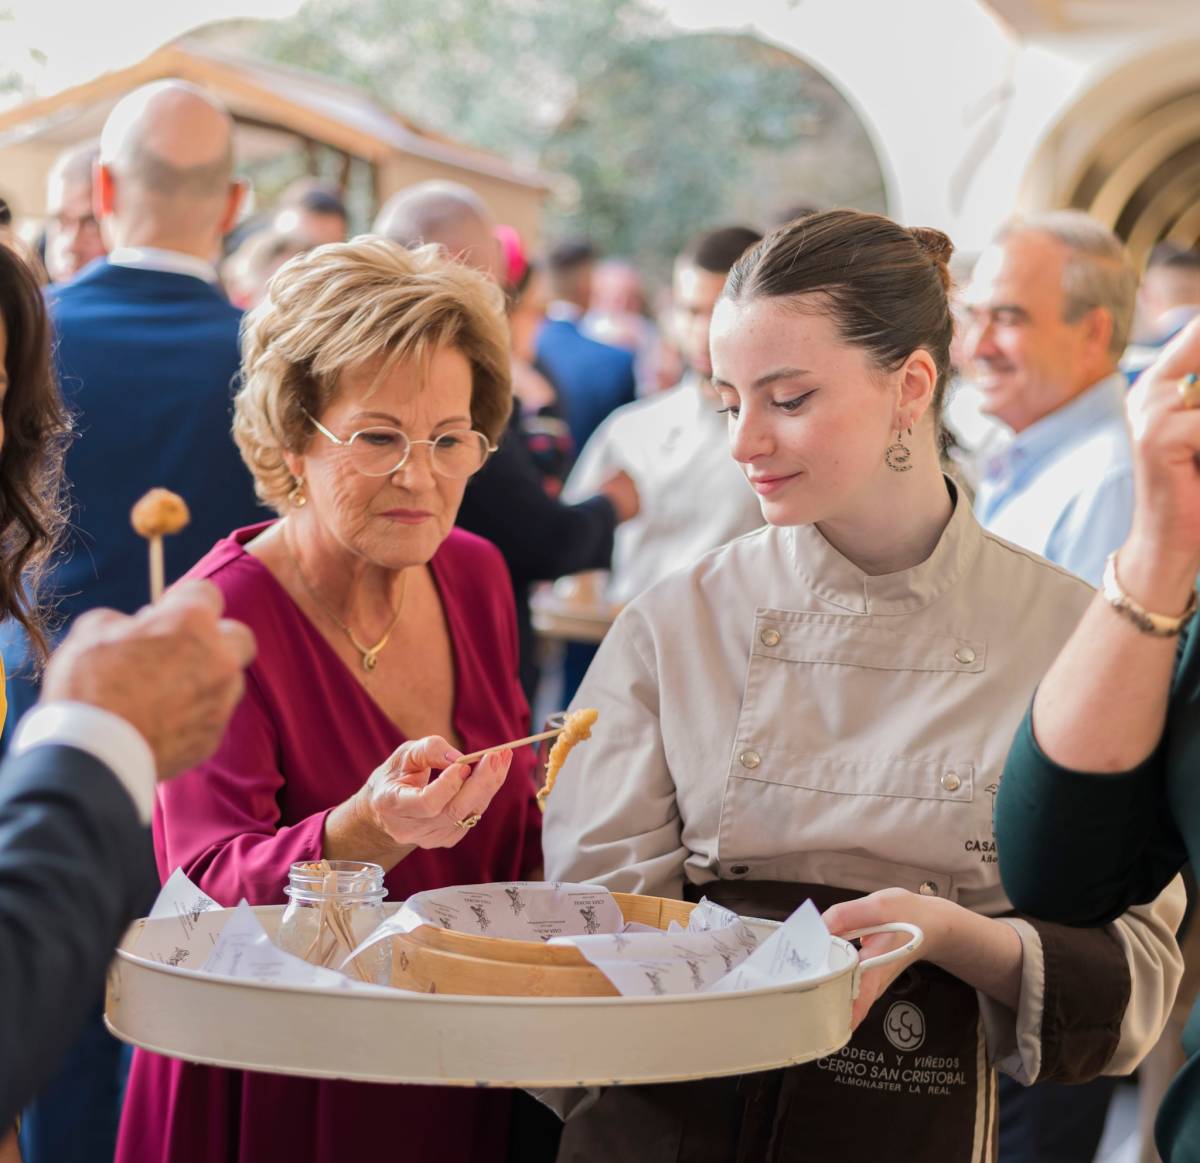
x,y
838,449
810,443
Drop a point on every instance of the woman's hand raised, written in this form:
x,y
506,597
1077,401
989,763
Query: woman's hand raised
x,y
407,804
1162,554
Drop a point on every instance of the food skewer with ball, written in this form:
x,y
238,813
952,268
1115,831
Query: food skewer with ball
x,y
159,514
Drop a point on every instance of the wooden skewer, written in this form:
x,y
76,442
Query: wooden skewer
x,y
475,756
157,573
159,512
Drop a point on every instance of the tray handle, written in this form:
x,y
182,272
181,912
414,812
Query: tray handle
x,y
916,937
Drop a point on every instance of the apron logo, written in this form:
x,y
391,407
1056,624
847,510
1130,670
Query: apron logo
x,y
904,1026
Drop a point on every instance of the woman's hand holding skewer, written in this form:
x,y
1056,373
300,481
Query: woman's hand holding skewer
x,y
406,804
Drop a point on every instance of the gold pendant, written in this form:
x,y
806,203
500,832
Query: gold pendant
x,y
370,660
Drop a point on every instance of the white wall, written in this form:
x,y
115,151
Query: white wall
x,y
972,121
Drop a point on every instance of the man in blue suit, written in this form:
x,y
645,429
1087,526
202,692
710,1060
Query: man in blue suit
x,y
147,351
593,379
127,701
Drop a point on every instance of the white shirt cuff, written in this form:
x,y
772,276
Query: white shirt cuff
x,y
107,737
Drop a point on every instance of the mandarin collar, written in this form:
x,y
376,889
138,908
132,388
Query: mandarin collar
x,y
834,579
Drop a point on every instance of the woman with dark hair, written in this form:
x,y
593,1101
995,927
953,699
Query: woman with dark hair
x,y
33,432
33,436
821,709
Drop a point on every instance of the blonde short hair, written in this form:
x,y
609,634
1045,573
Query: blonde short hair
x,y
345,306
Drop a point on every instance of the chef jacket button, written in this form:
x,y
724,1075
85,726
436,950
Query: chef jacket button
x,y
750,759
928,888
951,782
739,869
769,637
965,655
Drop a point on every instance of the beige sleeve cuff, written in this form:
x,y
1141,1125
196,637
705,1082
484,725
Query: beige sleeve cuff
x,y
1147,934
1015,1038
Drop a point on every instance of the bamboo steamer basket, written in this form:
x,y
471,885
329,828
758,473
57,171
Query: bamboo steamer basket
x,y
430,959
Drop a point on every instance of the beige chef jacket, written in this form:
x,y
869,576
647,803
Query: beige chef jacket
x,y
774,713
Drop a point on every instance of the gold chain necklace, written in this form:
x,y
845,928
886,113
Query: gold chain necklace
x,y
370,654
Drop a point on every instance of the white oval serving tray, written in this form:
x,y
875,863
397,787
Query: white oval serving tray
x,y
389,1035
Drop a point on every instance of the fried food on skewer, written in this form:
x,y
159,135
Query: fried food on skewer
x,y
158,514
577,727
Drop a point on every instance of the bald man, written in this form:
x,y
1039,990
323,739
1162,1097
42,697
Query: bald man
x,y
147,348
446,213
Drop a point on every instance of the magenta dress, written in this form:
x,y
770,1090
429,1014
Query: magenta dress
x,y
304,738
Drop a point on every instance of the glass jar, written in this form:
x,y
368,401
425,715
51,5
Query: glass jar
x,y
333,905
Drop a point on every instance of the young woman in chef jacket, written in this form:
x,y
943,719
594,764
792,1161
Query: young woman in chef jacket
x,y
822,708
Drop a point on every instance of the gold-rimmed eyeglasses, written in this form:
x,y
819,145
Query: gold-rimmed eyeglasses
x,y
380,451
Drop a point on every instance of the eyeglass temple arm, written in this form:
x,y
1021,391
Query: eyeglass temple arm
x,y
323,430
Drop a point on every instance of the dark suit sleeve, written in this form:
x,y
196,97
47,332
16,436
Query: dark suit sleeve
x,y
540,537
76,866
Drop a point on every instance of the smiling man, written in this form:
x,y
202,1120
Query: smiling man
x,y
1049,307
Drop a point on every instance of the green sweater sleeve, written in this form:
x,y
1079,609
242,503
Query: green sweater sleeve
x,y
1080,848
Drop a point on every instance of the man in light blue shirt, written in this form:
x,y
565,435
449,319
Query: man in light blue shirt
x,y
1050,306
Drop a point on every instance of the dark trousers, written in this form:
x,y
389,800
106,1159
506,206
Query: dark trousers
x,y
74,1119
1052,1122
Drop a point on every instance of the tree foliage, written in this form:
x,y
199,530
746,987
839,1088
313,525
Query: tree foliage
x,y
658,134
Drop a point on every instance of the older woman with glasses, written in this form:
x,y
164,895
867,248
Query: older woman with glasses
x,y
375,381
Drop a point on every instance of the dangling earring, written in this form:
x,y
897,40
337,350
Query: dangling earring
x,y
898,456
296,497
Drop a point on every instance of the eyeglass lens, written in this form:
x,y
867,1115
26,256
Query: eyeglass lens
x,y
382,451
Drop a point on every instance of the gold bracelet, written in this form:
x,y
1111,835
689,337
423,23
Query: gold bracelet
x,y
1159,625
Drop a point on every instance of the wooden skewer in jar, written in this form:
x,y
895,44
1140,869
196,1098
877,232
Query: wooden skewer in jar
x,y
160,513
333,923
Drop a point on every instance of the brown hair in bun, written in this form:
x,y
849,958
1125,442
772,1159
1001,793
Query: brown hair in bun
x,y
881,289
939,248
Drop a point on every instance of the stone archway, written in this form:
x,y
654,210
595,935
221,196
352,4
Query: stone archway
x,y
1126,149
1143,179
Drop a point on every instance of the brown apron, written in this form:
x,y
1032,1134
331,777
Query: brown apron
x,y
914,1082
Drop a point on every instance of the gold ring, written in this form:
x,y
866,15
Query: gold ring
x,y
469,822
1188,388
